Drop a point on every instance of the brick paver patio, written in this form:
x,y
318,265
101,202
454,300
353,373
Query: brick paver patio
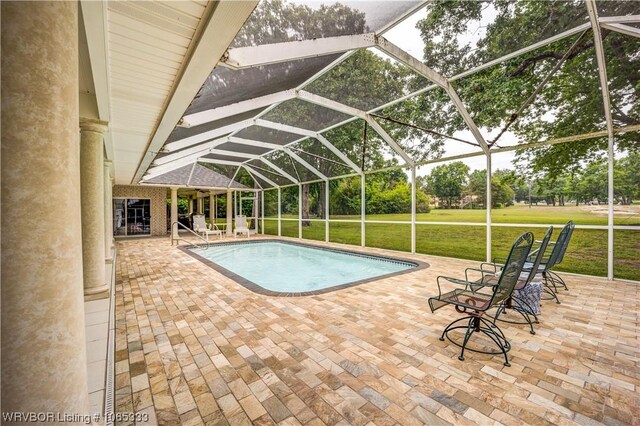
x,y
194,347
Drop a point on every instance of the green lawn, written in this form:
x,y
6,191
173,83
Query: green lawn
x,y
582,215
587,253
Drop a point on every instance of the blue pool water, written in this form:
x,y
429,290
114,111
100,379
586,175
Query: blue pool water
x,y
293,268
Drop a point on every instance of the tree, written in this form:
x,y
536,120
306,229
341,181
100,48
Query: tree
x,y
477,186
447,182
571,102
552,188
345,196
516,181
501,193
183,205
593,182
626,178
389,192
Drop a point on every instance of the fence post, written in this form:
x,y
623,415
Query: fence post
x,y
488,206
413,210
279,213
362,210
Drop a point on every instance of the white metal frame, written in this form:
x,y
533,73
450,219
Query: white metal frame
x,y
604,85
193,148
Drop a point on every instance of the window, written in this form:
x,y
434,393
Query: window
x,y
131,216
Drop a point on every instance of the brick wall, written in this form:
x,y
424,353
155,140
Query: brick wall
x,y
158,198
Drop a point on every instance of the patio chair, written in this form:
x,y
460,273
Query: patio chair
x,y
525,299
200,226
555,278
559,247
241,226
477,297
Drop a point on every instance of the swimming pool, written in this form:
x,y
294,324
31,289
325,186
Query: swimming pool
x,y
286,268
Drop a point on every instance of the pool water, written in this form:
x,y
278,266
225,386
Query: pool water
x,y
294,268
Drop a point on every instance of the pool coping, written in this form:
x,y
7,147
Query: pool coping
x,y
250,285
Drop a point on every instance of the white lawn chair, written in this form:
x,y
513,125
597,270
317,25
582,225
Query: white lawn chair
x,y
200,226
241,226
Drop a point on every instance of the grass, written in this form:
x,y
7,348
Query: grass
x,y
587,253
581,215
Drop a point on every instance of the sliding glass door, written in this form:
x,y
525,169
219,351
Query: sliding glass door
x,y
131,216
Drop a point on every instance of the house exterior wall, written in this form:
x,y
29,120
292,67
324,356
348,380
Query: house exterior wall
x,y
158,198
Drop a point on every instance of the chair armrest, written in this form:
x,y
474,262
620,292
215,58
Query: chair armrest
x,y
452,280
482,271
490,264
500,261
497,266
473,287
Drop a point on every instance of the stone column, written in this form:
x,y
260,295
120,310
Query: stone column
x,y
190,205
108,212
229,213
43,339
92,204
174,212
212,207
199,202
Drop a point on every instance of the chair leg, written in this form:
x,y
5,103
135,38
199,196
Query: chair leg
x,y
473,325
557,279
523,305
470,329
526,311
552,293
524,314
449,327
478,324
546,287
499,339
502,308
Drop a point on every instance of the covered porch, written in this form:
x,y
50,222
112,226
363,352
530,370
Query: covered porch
x,y
199,190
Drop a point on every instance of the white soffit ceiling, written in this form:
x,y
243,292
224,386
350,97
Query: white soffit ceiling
x,y
149,45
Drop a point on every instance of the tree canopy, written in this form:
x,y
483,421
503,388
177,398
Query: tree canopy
x,y
569,104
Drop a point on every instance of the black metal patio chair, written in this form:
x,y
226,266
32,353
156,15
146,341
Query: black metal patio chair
x,y
551,279
475,298
555,278
517,302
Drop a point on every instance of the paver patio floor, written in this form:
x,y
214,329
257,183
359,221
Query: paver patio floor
x,y
194,347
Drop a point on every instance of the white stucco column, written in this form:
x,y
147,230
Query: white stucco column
x,y
229,213
190,209
199,202
108,212
174,212
212,207
43,338
92,204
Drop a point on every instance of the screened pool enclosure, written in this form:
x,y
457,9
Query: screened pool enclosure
x,y
324,110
